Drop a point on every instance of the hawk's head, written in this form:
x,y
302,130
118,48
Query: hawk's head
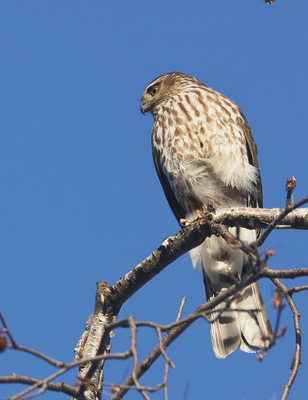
x,y
162,88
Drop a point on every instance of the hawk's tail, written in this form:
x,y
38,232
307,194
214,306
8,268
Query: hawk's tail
x,y
247,328
244,322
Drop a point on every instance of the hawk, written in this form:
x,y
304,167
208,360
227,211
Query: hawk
x,y
205,156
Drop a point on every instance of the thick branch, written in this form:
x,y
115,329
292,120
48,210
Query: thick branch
x,y
253,218
172,248
94,343
290,273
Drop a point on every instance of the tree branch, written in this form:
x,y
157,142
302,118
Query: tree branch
x,y
262,218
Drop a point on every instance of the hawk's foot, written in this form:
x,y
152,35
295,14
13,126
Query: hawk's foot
x,y
203,213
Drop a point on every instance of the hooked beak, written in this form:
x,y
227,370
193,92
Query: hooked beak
x,y
143,107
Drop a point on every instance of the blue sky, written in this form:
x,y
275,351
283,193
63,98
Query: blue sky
x,y
74,211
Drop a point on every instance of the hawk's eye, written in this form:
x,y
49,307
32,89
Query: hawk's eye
x,y
153,91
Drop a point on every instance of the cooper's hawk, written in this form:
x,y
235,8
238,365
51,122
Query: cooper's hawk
x,y
205,156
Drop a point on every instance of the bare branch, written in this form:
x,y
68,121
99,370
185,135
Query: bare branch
x,y
298,338
54,387
56,363
38,383
289,273
253,218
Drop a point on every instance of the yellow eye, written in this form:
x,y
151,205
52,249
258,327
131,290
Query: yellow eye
x,y
153,91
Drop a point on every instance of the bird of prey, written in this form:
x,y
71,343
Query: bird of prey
x,y
206,158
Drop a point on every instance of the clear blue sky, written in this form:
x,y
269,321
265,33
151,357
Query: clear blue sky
x,y
75,211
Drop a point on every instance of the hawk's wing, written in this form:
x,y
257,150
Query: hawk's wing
x,y
175,206
256,200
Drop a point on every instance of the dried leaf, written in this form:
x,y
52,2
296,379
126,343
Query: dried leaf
x,y
3,343
291,184
277,299
260,357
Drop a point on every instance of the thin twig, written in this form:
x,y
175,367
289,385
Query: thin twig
x,y
160,341
133,347
16,346
7,331
166,374
38,383
222,230
52,386
56,363
297,289
181,309
276,222
298,338
38,393
147,388
168,362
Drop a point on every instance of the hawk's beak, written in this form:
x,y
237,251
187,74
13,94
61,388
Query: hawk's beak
x,y
143,107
